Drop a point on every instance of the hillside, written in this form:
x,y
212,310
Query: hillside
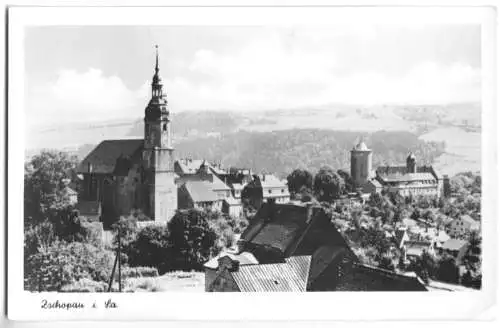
x,y
283,151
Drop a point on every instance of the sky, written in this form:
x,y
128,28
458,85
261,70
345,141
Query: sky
x,y
94,73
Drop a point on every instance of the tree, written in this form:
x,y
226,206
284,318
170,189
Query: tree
x,y
328,185
191,238
447,270
349,182
45,178
300,181
151,248
426,266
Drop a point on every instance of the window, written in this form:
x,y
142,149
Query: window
x,y
164,126
270,191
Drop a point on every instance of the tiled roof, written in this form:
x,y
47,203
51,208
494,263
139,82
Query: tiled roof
x,y
218,184
468,219
290,276
88,207
454,244
200,191
271,181
277,226
103,158
408,177
367,278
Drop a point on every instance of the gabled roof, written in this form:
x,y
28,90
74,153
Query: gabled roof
x,y
200,191
468,219
290,276
454,244
276,226
271,181
103,158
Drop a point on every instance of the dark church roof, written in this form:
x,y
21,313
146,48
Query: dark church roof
x,y
103,158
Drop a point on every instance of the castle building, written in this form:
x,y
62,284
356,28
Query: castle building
x,y
406,180
122,175
361,164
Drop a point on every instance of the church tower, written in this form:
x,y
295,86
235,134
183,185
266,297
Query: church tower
x,y
158,160
411,163
361,164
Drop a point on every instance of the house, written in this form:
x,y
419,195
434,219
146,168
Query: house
x,y
296,248
413,249
463,226
455,248
233,275
198,195
232,206
265,188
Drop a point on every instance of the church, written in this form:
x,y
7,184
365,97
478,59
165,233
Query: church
x,y
409,179
120,176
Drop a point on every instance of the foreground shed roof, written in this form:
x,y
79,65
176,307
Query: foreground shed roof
x,y
290,276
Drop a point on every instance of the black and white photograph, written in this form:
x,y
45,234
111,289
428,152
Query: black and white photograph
x,y
249,156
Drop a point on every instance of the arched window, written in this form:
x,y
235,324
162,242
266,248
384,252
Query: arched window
x,y
164,126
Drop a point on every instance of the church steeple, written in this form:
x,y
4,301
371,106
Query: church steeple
x,y
157,85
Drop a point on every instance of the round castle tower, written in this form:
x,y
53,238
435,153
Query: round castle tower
x,y
361,164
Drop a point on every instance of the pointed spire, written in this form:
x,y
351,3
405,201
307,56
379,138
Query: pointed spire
x,y
157,69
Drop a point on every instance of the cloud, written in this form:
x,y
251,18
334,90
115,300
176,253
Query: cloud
x,y
273,73
84,96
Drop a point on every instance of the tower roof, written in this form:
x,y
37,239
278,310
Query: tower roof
x,y
157,77
411,156
361,146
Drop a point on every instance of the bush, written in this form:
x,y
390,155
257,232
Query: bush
x,y
150,248
85,285
139,272
64,263
192,238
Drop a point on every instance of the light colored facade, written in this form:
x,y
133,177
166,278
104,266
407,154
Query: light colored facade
x,y
273,188
406,180
461,227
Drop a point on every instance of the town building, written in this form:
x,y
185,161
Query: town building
x,y
406,180
265,188
463,226
413,249
295,247
455,248
122,175
198,195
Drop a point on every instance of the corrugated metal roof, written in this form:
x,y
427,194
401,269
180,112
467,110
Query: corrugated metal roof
x,y
290,276
103,158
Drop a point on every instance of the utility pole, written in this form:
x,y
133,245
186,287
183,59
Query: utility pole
x,y
119,262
